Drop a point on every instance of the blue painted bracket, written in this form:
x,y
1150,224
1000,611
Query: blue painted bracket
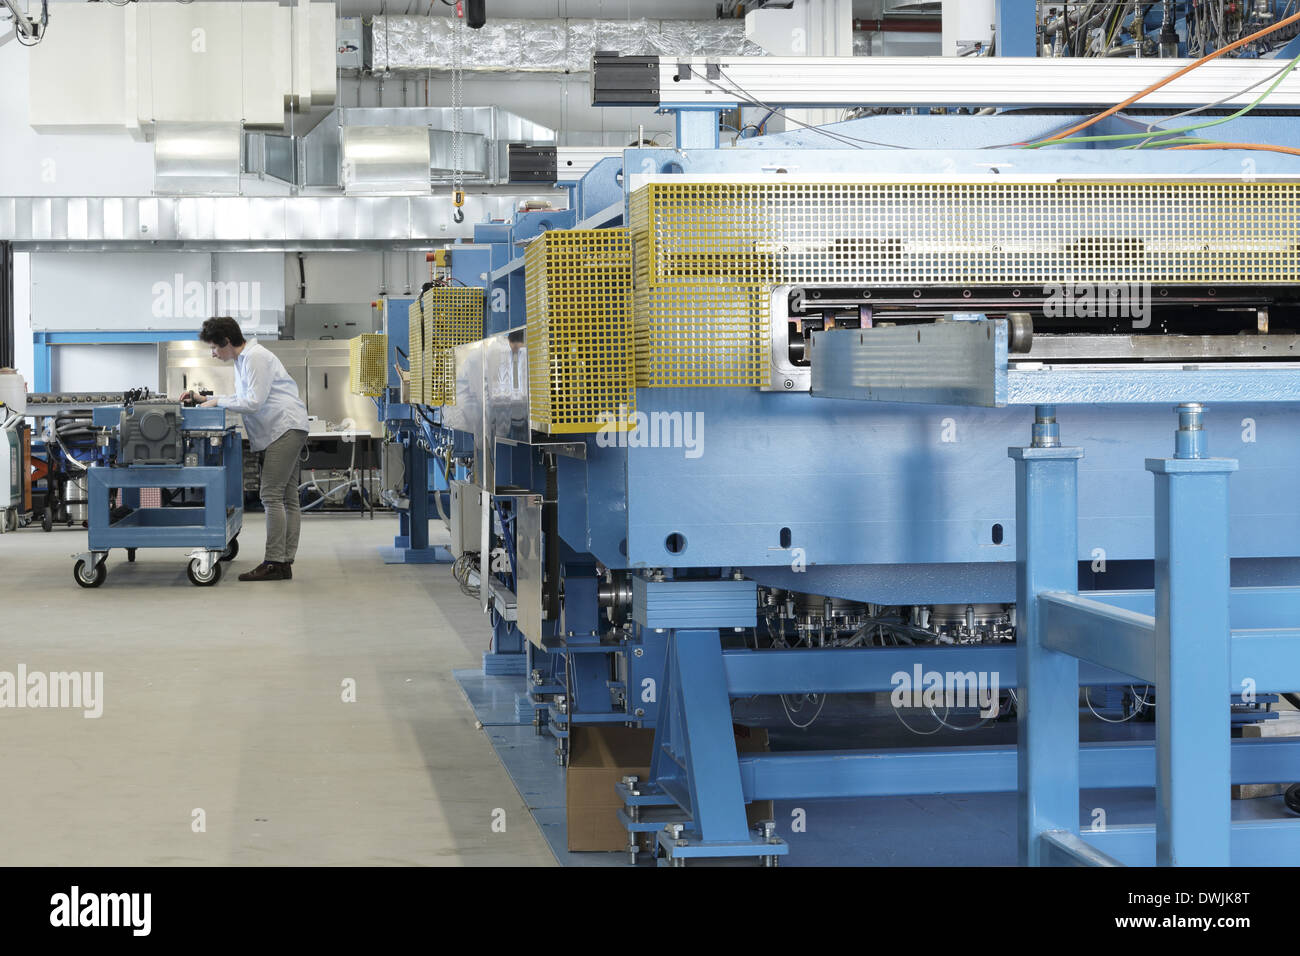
x,y
44,343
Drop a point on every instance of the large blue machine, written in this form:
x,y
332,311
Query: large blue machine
x,y
940,463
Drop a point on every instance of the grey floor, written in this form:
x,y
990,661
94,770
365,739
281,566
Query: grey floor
x,y
228,700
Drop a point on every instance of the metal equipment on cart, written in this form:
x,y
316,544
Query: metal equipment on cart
x,y
160,444
64,446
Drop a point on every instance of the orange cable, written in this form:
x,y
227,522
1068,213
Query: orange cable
x,y
1294,18
1262,147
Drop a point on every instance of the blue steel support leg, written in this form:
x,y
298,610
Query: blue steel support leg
x,y
411,545
232,457
43,362
418,476
1046,560
1193,722
695,756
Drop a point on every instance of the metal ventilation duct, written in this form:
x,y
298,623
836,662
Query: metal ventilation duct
x,y
328,155
247,224
554,46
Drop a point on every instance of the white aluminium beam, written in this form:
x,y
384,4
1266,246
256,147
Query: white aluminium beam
x,y
963,81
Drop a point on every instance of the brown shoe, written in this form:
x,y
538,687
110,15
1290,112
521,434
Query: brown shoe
x,y
287,568
266,571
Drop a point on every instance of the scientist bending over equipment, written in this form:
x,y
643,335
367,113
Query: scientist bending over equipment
x,y
275,420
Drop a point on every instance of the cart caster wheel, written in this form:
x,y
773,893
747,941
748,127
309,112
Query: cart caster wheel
x,y
1292,798
232,550
47,520
130,555
92,580
203,580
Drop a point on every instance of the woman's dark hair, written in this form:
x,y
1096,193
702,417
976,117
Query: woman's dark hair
x,y
221,331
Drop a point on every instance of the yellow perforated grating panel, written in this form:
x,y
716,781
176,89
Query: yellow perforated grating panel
x,y
453,316
705,325
707,254
579,339
369,362
431,377
415,352
700,334
927,234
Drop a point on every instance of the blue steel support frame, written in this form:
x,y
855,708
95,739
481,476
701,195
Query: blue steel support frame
x,y
1048,726
1193,725
695,762
411,543
1188,650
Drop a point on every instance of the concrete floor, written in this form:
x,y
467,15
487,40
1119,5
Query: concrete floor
x,y
229,700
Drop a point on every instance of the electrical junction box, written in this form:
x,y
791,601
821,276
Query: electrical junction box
x,y
394,467
351,52
466,518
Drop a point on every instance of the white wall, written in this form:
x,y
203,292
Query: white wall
x,y
75,291
353,276
62,164
106,291
104,368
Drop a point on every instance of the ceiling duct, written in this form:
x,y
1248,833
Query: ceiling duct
x,y
554,46
336,154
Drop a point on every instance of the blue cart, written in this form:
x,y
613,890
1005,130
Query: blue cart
x,y
212,462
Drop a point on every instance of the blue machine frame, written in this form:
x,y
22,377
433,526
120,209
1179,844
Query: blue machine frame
x,y
902,518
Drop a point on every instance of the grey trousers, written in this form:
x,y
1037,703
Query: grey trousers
x,y
281,464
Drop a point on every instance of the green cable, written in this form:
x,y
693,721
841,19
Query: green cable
x,y
1170,132
1223,119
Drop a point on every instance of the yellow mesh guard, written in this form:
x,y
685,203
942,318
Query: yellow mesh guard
x,y
415,352
428,359
704,323
708,254
369,355
968,233
579,336
453,316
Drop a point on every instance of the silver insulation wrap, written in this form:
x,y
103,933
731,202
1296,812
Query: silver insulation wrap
x,y
548,46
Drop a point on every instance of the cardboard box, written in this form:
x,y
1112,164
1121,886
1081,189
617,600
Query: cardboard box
x,y
1288,725
601,756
